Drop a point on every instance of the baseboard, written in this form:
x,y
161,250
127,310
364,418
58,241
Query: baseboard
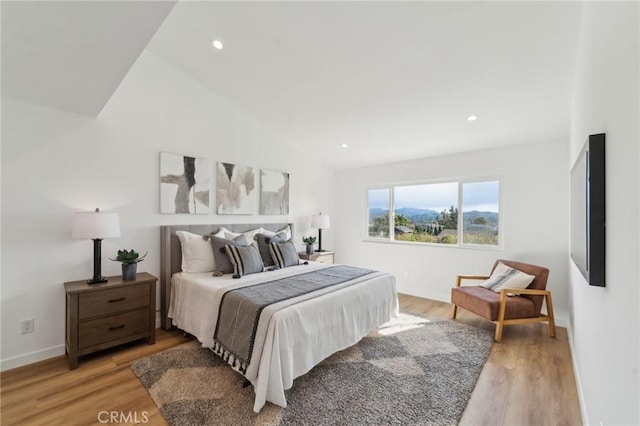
x,y
31,357
42,355
576,374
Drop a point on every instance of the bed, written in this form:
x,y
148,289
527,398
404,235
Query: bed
x,y
292,336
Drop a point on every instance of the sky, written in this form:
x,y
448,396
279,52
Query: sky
x,y
481,196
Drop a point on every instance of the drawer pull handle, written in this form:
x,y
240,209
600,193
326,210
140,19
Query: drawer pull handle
x,y
117,300
116,327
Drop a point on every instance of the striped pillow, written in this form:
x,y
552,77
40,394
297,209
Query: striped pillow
x,y
223,264
284,253
264,248
506,277
245,260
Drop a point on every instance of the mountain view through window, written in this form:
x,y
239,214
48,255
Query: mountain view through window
x,y
438,213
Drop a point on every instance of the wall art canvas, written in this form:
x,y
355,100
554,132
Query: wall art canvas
x,y
184,184
274,192
237,192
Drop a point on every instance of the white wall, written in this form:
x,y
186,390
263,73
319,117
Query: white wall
x,y
605,322
534,210
56,163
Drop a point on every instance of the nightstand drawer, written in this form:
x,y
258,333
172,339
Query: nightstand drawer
x,y
113,300
325,258
101,316
101,330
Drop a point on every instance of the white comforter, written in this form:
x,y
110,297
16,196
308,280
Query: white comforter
x,y
299,336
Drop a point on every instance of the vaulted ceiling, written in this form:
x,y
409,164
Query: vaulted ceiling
x,y
393,80
73,54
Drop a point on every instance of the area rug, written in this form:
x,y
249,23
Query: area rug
x,y
414,370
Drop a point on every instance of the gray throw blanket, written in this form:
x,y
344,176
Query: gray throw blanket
x,y
240,309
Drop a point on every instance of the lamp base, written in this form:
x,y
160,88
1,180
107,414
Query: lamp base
x,y
97,263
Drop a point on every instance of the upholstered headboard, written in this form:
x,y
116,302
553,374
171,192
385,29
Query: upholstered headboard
x,y
171,254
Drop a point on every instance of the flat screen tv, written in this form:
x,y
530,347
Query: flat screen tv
x,y
588,211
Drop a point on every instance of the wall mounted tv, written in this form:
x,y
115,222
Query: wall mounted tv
x,y
588,211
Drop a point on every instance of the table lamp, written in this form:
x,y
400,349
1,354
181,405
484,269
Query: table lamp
x,y
96,226
320,222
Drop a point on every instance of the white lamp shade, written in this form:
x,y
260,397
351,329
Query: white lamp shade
x,y
320,221
96,225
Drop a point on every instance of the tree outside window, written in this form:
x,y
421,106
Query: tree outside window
x,y
430,213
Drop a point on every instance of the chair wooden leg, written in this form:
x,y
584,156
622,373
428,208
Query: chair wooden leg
x,y
501,311
454,311
552,322
498,336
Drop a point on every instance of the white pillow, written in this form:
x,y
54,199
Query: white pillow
x,y
197,254
229,235
220,233
506,277
223,232
286,230
268,233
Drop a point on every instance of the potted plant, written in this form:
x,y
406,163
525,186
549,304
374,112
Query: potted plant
x,y
309,241
129,260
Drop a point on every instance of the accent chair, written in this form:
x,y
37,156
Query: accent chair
x,y
509,306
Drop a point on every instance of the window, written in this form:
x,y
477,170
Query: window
x,y
426,213
378,213
480,201
429,213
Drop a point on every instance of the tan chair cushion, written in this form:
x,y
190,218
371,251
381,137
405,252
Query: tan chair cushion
x,y
485,303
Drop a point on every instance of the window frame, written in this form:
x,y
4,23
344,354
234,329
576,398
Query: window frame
x,y
366,219
460,237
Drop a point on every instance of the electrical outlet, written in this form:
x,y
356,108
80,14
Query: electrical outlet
x,y
27,326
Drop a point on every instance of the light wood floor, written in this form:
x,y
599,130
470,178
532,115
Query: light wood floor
x,y
527,380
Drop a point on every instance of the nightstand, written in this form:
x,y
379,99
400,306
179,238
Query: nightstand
x,y
99,316
319,256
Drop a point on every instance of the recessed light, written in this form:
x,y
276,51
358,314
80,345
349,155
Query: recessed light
x,y
344,145
217,44
472,117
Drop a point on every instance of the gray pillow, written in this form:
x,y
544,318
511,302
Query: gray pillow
x,y
284,253
223,264
246,260
263,245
